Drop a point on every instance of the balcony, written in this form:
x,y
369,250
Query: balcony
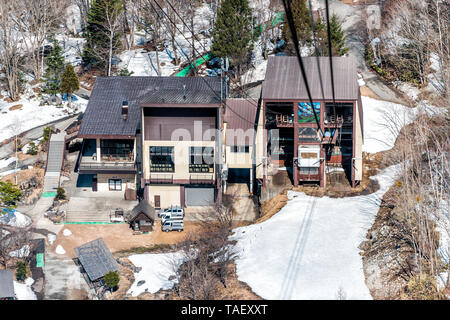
x,y
201,178
161,178
116,164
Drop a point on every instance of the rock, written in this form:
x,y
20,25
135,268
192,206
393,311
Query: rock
x,y
384,231
140,283
373,236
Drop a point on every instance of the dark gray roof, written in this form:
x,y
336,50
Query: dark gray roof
x,y
144,207
240,114
103,114
284,80
6,284
96,259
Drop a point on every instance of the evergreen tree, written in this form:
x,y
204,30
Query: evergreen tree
x,y
55,68
232,33
337,37
9,194
69,82
302,22
112,279
98,45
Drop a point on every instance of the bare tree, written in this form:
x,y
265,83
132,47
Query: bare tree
x,y
35,20
9,48
11,239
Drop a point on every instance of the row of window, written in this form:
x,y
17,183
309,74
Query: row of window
x,y
201,159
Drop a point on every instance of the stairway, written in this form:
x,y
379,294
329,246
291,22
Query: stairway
x,y
54,162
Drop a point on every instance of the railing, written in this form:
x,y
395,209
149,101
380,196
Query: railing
x,y
201,178
161,178
338,120
117,157
86,164
284,120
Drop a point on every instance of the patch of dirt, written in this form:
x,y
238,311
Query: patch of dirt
x,y
16,107
119,237
270,207
367,92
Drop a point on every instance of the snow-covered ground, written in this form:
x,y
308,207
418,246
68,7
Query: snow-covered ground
x,y
383,121
31,115
23,290
157,268
309,250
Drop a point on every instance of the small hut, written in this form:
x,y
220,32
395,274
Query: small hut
x,y
96,260
6,285
142,217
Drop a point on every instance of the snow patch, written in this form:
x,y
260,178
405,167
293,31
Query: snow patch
x,y
23,291
67,232
51,238
60,249
157,268
21,253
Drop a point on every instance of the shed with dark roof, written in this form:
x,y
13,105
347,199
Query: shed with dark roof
x,y
240,116
103,116
283,80
142,217
96,259
6,285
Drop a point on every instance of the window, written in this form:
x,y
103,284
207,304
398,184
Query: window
x,y
161,159
240,149
115,184
117,149
201,159
308,135
309,170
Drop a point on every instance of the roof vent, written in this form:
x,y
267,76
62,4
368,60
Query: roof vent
x,y
125,110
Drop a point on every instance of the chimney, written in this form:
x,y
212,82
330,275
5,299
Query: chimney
x,y
125,110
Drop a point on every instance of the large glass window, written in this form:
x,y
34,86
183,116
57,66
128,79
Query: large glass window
x,y
162,159
117,149
201,159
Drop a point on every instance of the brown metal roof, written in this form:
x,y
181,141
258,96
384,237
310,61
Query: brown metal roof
x,y
284,79
240,114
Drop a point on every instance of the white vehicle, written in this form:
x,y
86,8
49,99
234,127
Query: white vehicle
x,y
173,212
172,225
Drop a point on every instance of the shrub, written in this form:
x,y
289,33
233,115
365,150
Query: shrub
x,y
21,270
112,279
9,194
60,194
46,134
32,148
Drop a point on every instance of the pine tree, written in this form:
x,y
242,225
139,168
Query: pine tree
x,y
232,33
337,37
302,22
69,82
55,68
98,45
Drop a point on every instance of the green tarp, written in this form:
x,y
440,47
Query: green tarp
x,y
40,260
49,194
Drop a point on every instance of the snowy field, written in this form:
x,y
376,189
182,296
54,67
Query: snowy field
x,y
314,252
157,268
383,121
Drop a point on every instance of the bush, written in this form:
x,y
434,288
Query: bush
x,y
21,270
60,194
18,144
112,279
32,149
422,289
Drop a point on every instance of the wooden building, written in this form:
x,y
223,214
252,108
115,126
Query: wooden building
x,y
142,217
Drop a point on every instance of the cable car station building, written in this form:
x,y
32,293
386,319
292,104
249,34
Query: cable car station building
x,y
317,144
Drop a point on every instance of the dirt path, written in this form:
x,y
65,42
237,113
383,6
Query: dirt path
x,y
118,237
